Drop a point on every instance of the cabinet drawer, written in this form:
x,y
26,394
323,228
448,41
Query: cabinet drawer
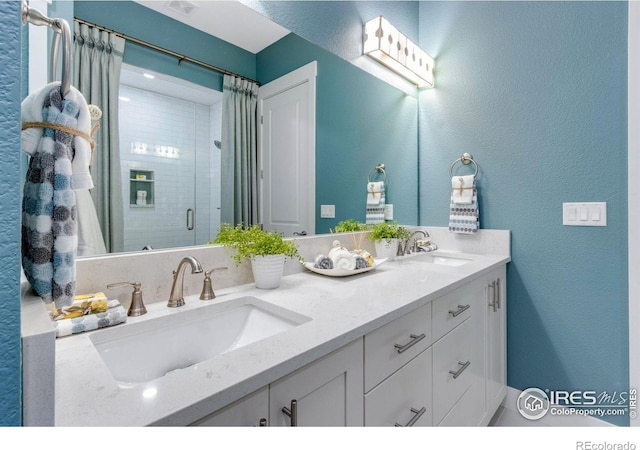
x,y
390,347
403,398
458,363
469,411
451,310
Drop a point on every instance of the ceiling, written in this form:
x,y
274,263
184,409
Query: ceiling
x,y
228,20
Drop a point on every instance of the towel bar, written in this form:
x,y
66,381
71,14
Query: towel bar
x,y
465,159
379,168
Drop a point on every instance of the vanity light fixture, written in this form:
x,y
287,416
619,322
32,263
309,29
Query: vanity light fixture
x,y
384,43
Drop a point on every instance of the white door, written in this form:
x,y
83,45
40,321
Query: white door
x,y
286,152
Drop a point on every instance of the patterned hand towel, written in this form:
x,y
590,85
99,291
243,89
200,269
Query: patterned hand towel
x,y
464,218
375,202
114,315
49,227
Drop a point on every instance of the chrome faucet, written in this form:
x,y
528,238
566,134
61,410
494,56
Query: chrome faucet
x,y
413,247
177,297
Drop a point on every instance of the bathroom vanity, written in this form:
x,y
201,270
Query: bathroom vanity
x,y
418,341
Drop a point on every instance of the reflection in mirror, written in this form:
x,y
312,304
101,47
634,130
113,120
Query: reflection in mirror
x,y
169,163
361,122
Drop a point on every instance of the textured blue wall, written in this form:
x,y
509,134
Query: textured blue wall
x,y
537,92
10,352
360,121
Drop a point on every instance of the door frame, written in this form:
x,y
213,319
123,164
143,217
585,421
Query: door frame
x,y
304,74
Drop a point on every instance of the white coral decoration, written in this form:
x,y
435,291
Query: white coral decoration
x,y
95,112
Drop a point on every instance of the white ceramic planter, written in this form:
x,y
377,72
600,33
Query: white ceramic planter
x,y
387,248
267,270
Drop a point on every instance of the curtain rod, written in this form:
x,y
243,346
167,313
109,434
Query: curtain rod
x,y
164,50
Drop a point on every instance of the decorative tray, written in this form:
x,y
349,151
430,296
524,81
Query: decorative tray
x,y
343,272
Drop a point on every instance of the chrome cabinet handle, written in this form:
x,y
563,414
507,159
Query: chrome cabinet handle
x,y
292,413
190,218
414,340
493,303
498,299
457,373
300,233
263,422
417,414
460,310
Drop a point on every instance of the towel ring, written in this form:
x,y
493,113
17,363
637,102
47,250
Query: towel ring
x,y
380,169
465,159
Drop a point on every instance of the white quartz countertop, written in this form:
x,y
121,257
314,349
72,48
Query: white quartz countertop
x,y
341,311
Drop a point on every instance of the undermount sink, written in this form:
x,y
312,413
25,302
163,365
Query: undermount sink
x,y
139,352
444,260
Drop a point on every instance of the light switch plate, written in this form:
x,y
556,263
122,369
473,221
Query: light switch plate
x,y
328,211
593,214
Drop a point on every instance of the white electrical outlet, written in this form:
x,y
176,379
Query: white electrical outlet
x,y
592,214
328,211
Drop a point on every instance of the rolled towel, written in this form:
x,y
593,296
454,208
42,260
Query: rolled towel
x,y
342,259
361,263
323,262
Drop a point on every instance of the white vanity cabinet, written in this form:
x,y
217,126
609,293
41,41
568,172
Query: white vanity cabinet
x,y
443,364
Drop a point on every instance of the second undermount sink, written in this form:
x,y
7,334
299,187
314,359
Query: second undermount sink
x,y
444,259
143,351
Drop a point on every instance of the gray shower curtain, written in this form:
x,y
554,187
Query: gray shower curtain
x,y
97,57
239,186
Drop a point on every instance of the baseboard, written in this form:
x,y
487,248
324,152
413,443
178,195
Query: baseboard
x,y
550,420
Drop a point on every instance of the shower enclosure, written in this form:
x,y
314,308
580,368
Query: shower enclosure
x,y
169,163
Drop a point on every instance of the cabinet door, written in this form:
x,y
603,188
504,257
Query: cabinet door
x,y
327,392
496,340
250,411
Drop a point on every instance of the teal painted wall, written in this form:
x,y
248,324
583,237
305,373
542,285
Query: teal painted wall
x,y
537,92
10,97
360,121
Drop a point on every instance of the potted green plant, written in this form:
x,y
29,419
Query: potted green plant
x,y
266,250
387,236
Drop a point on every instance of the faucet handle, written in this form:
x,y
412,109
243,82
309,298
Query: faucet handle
x,y
207,288
136,308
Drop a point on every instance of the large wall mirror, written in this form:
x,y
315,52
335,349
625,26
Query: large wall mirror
x,y
170,140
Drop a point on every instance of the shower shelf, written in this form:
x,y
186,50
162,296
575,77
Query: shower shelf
x,y
141,189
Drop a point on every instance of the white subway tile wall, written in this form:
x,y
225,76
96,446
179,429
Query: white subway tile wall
x,y
178,136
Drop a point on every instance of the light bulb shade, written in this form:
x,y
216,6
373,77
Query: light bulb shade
x,y
383,42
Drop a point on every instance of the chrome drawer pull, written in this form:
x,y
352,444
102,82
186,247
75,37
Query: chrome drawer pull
x,y
414,340
460,310
263,422
460,370
494,302
417,414
292,413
